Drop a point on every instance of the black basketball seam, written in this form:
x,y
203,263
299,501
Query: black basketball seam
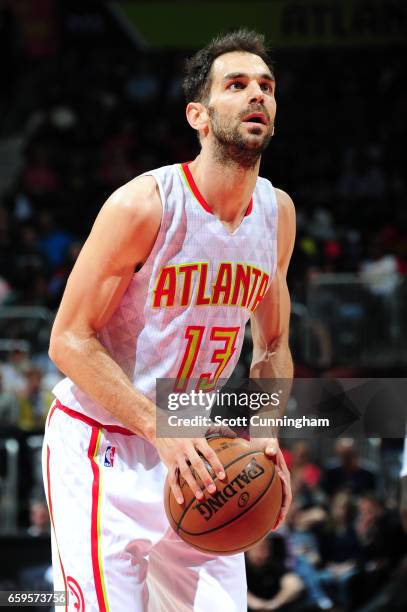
x,y
230,550
194,499
233,519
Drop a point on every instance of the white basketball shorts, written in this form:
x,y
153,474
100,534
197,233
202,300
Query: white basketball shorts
x,y
112,547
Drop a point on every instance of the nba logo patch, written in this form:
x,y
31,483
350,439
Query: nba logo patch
x,y
109,456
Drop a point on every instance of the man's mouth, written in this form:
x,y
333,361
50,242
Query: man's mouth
x,y
256,118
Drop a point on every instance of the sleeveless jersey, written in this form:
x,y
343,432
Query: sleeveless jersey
x,y
184,312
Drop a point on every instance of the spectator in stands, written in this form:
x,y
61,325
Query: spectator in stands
x,y
30,268
349,474
393,596
9,408
380,269
57,282
382,545
305,479
12,373
39,517
34,399
29,252
39,575
39,177
380,534
54,241
370,528
271,586
302,543
303,469
340,550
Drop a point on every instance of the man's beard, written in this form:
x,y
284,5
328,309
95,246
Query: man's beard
x,y
231,146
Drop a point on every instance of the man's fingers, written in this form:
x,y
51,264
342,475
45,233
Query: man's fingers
x,y
271,449
282,466
173,479
278,522
281,461
186,473
287,495
195,471
285,501
201,469
212,458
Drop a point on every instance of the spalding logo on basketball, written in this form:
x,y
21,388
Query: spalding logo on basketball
x,y
241,512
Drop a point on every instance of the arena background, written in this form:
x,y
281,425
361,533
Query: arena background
x,y
90,97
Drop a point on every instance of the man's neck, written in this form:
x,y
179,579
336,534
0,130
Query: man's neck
x,y
227,188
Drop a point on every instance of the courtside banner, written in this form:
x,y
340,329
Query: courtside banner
x,y
302,408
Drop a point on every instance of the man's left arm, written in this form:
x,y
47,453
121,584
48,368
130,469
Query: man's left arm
x,y
270,333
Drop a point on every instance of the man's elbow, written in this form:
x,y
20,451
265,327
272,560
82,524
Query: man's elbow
x,y
60,349
56,350
69,346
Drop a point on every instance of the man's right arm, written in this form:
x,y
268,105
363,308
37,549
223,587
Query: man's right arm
x,y
122,237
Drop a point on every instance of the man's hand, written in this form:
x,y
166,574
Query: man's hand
x,y
181,456
271,448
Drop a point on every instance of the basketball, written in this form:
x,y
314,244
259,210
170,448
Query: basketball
x,y
241,512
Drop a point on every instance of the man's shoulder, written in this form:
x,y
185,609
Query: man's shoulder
x,y
284,201
139,198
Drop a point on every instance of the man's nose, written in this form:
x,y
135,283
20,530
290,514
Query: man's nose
x,y
256,93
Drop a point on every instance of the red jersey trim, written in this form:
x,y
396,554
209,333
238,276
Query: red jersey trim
x,y
89,421
194,188
51,412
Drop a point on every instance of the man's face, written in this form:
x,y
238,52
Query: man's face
x,y
241,106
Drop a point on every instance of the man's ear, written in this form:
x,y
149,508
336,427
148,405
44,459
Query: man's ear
x,y
197,117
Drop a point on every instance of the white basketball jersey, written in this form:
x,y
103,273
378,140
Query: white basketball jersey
x,y
184,313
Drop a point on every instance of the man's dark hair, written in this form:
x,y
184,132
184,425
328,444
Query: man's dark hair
x,y
197,80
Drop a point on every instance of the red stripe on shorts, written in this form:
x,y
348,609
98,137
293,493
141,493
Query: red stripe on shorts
x,y
94,520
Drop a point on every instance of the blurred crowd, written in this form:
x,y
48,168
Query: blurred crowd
x,y
89,121
89,124
342,547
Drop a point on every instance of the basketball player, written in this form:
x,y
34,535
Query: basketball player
x,y
176,263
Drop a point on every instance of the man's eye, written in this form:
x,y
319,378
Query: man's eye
x,y
267,87
236,85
